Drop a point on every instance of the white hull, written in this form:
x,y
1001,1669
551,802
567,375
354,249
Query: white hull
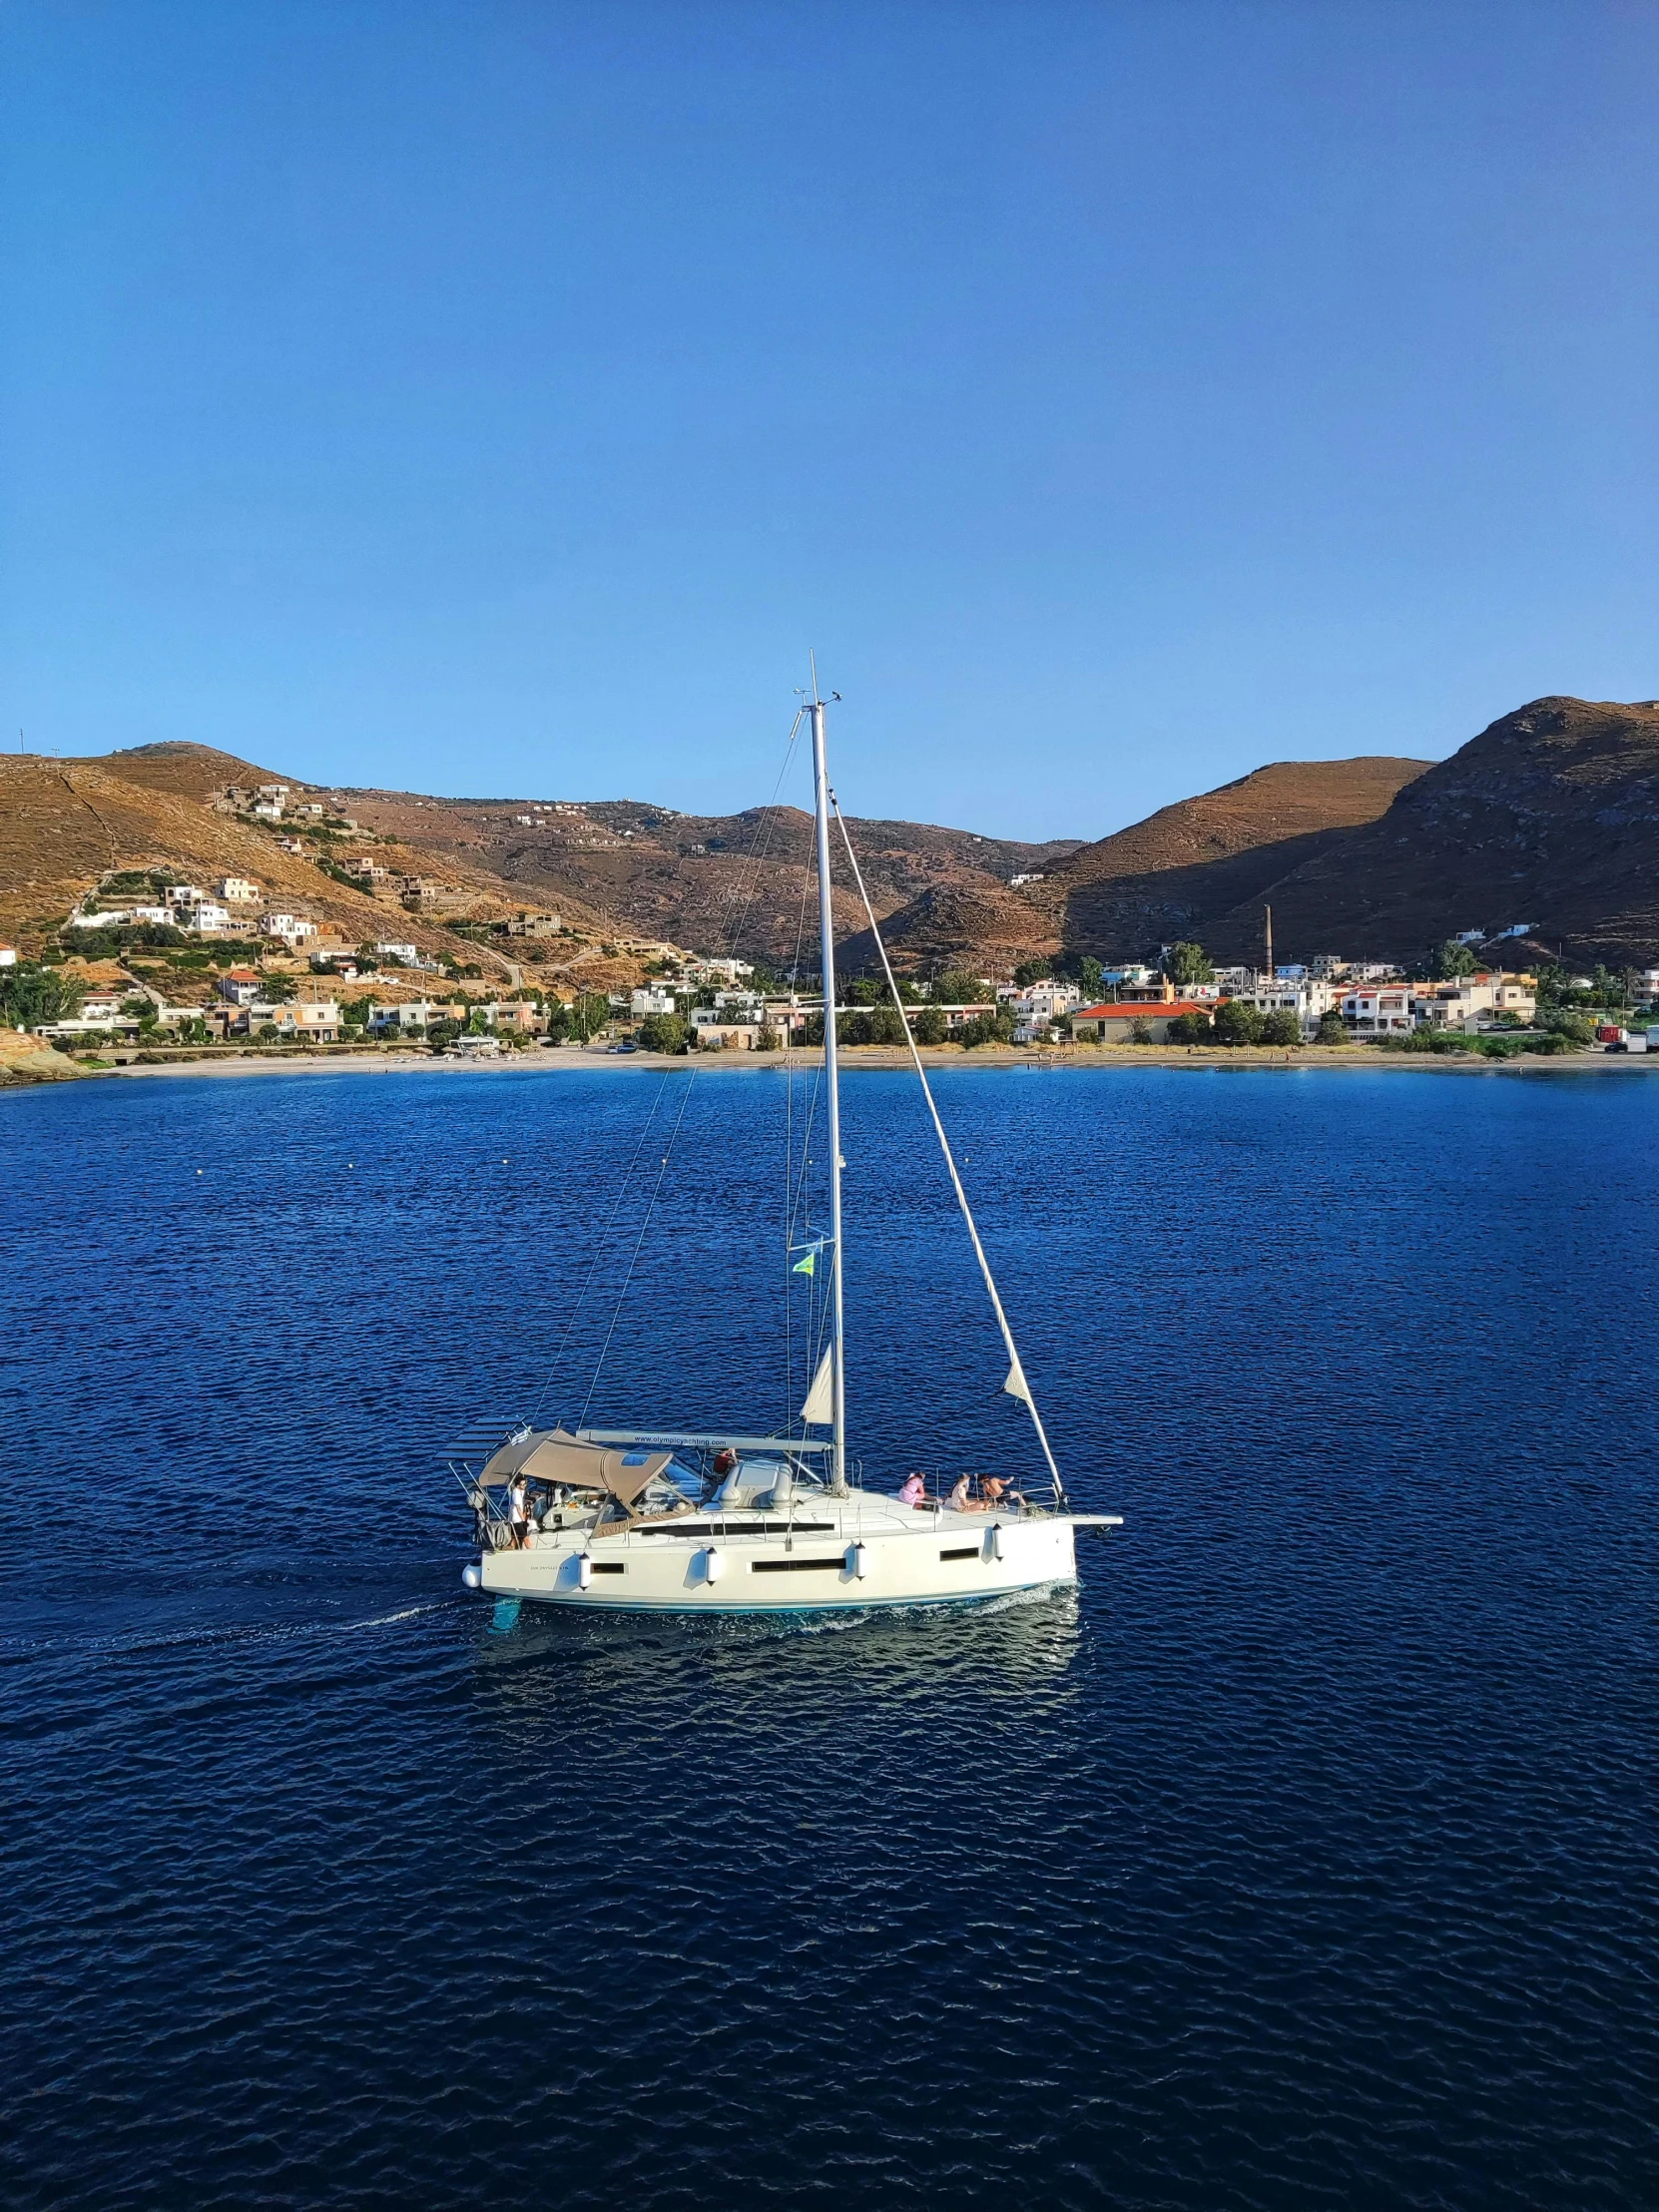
x,y
837,1556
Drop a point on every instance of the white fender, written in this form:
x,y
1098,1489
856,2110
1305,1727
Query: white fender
x,y
714,1566
856,1561
993,1541
584,1570
472,1575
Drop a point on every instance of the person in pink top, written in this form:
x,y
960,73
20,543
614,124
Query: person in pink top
x,y
914,1492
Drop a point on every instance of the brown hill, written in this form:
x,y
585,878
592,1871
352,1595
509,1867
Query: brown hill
x,y
1172,875
719,882
1551,817
188,770
613,869
64,824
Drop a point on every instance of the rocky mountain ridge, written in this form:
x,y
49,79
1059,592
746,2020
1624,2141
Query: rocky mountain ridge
x,y
1549,818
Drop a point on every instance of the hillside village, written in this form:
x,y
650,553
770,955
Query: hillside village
x,y
148,962
181,899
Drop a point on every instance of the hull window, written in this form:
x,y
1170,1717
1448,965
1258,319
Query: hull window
x,y
740,1528
837,1565
962,1551
609,1566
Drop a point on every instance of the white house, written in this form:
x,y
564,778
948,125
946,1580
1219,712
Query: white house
x,y
651,1000
208,915
718,971
414,1013
8,955
291,926
1377,1009
236,890
241,986
409,954
1306,996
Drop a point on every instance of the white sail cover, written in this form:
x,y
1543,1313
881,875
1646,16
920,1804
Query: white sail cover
x,y
821,1399
1016,1384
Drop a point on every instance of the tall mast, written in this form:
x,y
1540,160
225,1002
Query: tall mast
x,y
832,1070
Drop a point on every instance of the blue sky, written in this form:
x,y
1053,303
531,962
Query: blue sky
x,y
501,398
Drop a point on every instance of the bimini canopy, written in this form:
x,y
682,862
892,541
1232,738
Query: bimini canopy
x,y
554,1456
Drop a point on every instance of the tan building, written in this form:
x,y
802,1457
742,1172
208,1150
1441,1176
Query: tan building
x,y
1119,1020
1470,999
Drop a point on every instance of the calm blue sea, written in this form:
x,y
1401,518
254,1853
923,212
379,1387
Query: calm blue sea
x,y
1304,1856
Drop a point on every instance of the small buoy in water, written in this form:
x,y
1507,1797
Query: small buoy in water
x,y
506,1616
472,1574
198,1170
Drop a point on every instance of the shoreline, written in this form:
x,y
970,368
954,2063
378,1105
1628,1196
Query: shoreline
x,y
1198,1058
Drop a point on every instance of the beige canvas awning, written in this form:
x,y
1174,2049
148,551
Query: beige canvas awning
x,y
554,1456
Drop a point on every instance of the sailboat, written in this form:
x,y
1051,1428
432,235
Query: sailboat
x,y
672,1522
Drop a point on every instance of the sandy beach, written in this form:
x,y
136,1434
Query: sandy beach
x,y
321,1060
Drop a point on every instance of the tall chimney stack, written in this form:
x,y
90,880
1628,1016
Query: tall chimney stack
x,y
1267,914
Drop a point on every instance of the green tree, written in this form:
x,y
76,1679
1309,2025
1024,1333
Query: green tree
x,y
1331,1029
1552,978
930,1026
1187,964
663,1034
1452,959
588,1015
30,994
1280,1028
955,987
1238,1022
1191,1029
1089,974
1562,1021
1140,1031
986,1030
886,1025
1032,971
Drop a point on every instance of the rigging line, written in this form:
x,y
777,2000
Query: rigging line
x,y
599,1248
762,839
1016,1371
633,1258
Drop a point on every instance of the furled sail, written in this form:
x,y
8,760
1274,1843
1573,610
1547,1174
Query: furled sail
x,y
1016,1384
821,1399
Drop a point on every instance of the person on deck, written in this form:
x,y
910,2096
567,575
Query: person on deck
x,y
914,1492
961,1502
516,1513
